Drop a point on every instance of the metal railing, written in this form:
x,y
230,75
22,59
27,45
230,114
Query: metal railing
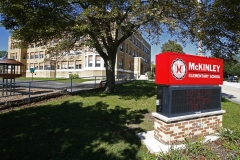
x,y
20,93
29,91
96,80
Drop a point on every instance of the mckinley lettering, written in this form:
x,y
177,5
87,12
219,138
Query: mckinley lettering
x,y
203,67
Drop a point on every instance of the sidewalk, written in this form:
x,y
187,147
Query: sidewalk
x,y
87,85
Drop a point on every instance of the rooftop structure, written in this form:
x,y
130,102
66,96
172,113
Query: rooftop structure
x,y
10,69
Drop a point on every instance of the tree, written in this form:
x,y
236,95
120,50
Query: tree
x,y
153,68
232,68
172,46
216,25
3,54
224,17
105,23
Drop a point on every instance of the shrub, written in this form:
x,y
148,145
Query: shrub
x,y
228,134
197,148
173,154
150,75
73,76
194,149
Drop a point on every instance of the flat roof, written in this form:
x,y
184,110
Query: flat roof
x,y
10,61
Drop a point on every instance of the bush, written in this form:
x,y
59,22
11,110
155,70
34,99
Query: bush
x,y
150,75
173,154
73,76
194,149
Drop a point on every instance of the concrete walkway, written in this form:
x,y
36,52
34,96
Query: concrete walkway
x,y
154,146
74,87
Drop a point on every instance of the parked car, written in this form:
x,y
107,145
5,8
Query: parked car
x,y
233,79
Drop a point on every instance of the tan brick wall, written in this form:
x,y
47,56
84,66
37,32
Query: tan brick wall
x,y
42,74
88,73
176,131
136,62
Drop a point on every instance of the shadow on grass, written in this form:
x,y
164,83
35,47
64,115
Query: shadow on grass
x,y
224,99
70,131
228,96
137,89
131,90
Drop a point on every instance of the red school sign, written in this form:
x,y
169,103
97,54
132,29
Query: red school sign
x,y
184,69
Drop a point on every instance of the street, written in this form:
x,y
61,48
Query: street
x,y
231,91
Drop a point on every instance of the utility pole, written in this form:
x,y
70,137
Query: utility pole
x,y
200,53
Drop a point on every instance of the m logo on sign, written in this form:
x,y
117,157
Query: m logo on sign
x,y
178,69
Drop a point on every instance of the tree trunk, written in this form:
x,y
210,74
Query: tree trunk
x,y
110,74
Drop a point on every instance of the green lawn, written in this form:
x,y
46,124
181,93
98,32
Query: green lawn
x,y
91,125
87,126
231,119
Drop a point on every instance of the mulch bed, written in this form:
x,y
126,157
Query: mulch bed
x,y
216,146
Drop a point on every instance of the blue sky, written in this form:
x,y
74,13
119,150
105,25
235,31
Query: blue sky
x,y
4,34
187,48
156,49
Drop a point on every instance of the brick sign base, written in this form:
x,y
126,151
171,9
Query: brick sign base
x,y
172,130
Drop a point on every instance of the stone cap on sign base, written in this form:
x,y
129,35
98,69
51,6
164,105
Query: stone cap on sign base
x,y
186,117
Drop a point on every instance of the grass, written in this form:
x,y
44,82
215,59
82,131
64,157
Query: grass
x,y
87,126
63,80
91,125
231,118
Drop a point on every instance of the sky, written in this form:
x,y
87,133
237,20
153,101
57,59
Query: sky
x,y
155,49
187,48
4,34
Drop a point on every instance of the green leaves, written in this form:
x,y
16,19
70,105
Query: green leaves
x,y
220,25
3,54
107,23
35,20
172,47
